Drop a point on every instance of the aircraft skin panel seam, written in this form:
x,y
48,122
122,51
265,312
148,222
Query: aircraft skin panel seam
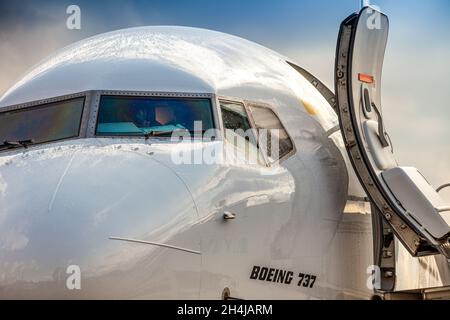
x,y
163,245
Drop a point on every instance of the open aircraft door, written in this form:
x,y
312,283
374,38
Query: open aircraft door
x,y
408,203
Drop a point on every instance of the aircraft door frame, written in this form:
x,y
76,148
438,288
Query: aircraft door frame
x,y
392,189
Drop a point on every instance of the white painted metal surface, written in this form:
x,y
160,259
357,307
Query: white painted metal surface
x,y
60,203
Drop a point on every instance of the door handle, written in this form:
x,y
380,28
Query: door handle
x,y
229,215
369,106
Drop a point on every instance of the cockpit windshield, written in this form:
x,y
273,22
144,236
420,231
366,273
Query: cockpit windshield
x,y
124,115
44,123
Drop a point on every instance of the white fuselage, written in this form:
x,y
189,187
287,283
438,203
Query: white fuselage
x,y
295,234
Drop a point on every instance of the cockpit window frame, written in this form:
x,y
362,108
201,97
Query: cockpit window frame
x,y
91,106
250,119
91,130
42,103
247,104
268,106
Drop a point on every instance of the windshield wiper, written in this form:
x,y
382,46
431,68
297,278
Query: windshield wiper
x,y
156,133
16,144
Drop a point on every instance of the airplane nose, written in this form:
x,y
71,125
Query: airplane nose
x,y
59,206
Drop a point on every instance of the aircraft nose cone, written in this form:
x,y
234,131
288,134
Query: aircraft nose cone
x,y
59,206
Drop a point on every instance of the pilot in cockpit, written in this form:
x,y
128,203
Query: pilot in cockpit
x,y
165,116
143,118
154,117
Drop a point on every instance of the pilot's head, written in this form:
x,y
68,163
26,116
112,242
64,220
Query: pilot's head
x,y
164,115
142,117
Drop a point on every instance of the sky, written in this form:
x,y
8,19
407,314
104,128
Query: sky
x,y
416,94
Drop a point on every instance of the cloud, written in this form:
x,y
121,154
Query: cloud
x,y
25,12
24,47
29,31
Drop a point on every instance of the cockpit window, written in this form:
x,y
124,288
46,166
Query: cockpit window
x,y
273,137
124,115
44,123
